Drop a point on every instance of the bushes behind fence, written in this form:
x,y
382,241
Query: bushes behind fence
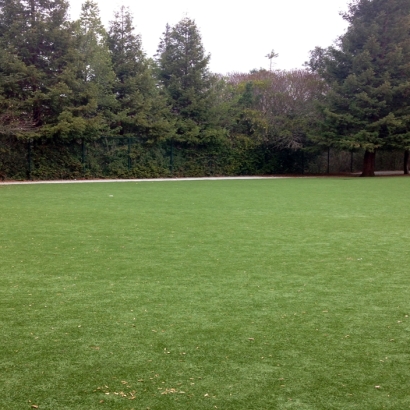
x,y
109,157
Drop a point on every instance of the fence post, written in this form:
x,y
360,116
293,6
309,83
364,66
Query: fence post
x,y
83,155
172,157
351,162
129,154
29,159
328,160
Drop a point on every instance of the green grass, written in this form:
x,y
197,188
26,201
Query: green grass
x,y
266,294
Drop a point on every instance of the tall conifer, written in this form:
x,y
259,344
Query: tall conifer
x,y
141,110
184,74
34,40
97,72
369,75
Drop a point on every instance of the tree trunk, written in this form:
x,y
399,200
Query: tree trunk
x,y
368,164
406,162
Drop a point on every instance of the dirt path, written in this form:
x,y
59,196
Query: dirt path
x,y
86,181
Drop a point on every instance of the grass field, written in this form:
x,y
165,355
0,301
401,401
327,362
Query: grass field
x,y
266,294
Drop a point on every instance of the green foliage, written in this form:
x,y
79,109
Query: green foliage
x,y
95,67
55,76
368,72
117,157
34,39
277,108
184,74
13,158
67,83
141,109
15,118
55,160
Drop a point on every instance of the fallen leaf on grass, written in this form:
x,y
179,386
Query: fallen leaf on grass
x,y
172,391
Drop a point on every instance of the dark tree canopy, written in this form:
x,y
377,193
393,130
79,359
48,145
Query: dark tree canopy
x,y
141,110
34,39
368,72
278,107
183,72
72,82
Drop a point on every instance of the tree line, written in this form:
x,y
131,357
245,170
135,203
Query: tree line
x,y
64,81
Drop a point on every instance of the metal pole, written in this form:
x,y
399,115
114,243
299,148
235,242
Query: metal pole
x,y
129,154
83,155
303,161
351,162
172,157
29,159
328,160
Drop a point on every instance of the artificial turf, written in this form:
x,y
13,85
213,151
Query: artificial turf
x,y
265,294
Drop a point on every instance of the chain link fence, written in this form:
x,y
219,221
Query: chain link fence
x,y
109,157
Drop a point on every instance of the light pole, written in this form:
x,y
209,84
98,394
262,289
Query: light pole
x,y
271,56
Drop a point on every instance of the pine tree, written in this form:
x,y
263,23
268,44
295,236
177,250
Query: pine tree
x,y
184,74
15,119
34,41
125,46
141,110
369,75
96,66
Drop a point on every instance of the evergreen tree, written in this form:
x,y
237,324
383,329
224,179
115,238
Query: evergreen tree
x,y
15,119
369,75
34,41
184,73
95,67
85,90
141,110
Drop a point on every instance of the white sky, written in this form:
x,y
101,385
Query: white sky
x,y
238,35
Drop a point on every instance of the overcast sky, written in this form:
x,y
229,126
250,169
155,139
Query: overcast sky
x,y
238,35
